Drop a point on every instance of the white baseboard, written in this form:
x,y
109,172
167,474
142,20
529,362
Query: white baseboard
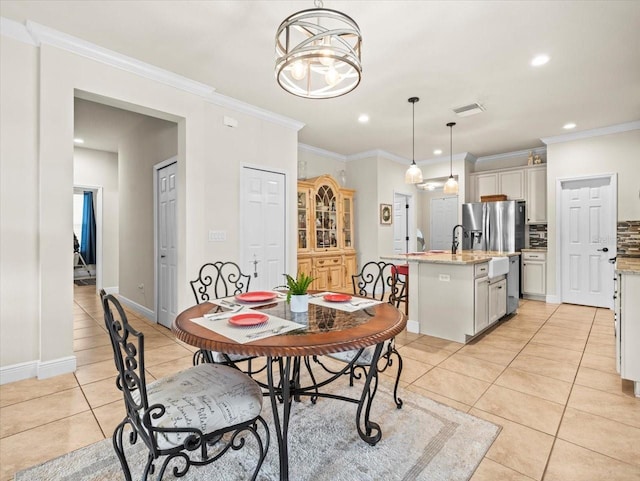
x,y
553,299
145,311
18,372
111,290
41,370
413,326
56,367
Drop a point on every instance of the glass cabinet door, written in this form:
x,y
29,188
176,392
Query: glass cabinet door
x,y
303,220
326,218
347,204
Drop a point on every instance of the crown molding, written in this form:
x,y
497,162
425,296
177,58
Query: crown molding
x,y
48,36
585,134
464,156
378,153
321,152
16,31
517,153
36,34
240,106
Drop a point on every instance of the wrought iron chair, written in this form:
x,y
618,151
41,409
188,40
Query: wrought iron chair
x,y
375,280
217,280
191,418
401,281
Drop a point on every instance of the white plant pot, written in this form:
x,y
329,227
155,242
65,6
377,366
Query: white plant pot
x,y
300,303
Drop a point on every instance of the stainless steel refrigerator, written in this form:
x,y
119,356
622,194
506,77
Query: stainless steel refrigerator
x,y
494,226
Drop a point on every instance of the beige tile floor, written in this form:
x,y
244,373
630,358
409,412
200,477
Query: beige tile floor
x,y
547,376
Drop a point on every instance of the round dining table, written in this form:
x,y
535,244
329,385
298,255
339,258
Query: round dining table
x,y
324,329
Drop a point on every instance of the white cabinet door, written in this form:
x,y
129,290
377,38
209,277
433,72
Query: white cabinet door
x,y
486,184
497,300
534,278
629,319
512,184
537,195
481,307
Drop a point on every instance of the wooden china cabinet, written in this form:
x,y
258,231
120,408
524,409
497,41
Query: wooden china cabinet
x,y
325,233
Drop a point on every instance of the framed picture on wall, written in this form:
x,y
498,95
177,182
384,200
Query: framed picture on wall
x,y
386,216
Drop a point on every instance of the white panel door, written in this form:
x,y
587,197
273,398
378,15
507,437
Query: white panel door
x,y
400,217
588,241
167,301
444,215
263,227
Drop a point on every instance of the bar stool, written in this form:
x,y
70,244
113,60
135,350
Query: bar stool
x,y
401,286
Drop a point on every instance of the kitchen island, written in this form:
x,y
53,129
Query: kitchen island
x,y
627,320
457,296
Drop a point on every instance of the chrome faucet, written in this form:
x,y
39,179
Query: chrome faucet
x,y
454,240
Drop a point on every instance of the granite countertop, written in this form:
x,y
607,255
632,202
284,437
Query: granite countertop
x,y
535,249
439,257
628,265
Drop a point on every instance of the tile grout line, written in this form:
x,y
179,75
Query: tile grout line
x,y
564,410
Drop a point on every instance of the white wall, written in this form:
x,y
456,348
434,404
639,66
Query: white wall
x,y
390,181
318,164
604,154
37,96
96,168
19,267
149,143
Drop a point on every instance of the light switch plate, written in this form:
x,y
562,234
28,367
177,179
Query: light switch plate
x,y
217,235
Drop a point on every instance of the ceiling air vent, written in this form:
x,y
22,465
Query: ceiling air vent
x,y
468,110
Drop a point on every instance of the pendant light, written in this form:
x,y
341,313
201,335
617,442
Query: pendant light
x,y
318,53
413,174
451,187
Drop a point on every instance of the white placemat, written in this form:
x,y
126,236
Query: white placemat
x,y
242,335
355,304
231,301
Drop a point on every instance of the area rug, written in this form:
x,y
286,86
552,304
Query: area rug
x,y
85,282
424,440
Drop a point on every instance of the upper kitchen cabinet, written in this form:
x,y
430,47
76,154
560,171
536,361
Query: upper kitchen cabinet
x,y
523,183
326,232
536,195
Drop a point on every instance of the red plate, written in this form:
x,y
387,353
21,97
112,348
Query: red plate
x,y
257,296
248,319
337,297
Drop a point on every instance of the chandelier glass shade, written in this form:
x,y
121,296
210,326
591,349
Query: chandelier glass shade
x,y
318,53
413,175
451,186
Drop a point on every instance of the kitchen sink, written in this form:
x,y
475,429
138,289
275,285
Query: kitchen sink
x,y
498,266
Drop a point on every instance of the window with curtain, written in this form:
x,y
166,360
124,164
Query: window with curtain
x,y
84,224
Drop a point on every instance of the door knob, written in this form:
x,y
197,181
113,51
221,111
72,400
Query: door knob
x,y
604,249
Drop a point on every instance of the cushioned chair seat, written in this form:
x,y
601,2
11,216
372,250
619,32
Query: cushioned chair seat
x,y
219,357
207,397
365,357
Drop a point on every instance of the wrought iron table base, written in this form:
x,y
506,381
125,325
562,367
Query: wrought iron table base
x,y
289,389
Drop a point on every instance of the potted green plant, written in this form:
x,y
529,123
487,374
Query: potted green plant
x,y
297,295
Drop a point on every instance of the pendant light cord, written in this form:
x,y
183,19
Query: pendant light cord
x,y
413,134
450,125
413,101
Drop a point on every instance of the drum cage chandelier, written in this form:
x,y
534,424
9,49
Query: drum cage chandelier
x,y
318,53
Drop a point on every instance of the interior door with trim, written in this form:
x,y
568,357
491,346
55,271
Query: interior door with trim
x,y
263,227
167,301
588,241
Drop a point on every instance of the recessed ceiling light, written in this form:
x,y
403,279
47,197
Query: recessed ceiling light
x,y
569,126
437,152
539,60
78,140
363,119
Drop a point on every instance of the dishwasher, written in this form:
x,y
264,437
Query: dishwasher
x,y
513,284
